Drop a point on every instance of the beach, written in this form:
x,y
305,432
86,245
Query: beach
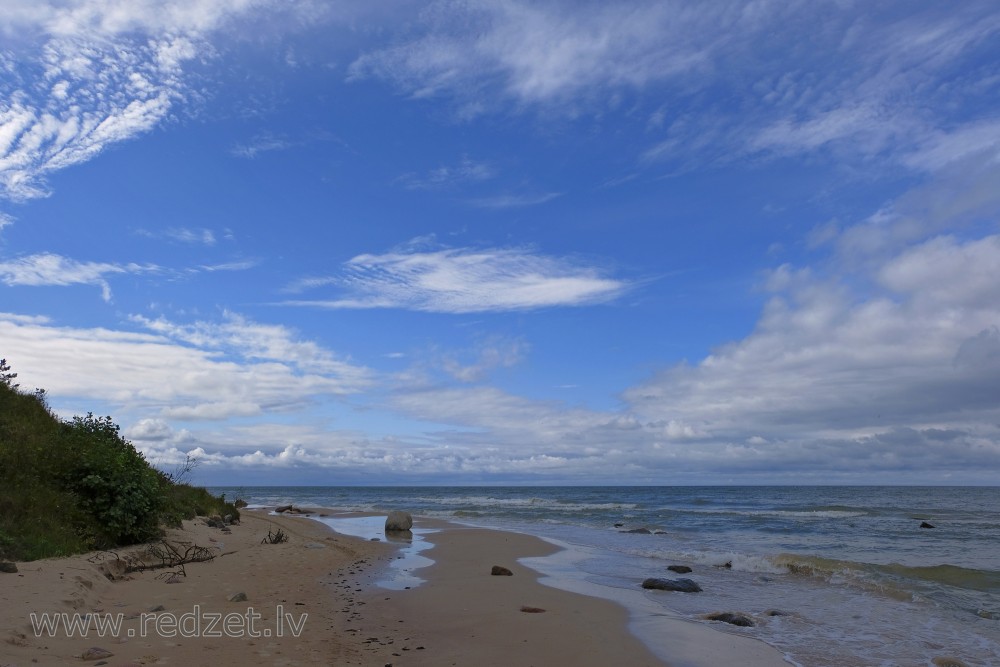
x,y
829,576
317,599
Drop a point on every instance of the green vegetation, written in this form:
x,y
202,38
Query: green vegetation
x,y
73,486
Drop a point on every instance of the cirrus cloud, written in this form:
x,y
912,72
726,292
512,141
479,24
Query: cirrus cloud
x,y
466,281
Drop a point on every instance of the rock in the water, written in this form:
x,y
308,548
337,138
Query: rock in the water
x,y
639,531
238,597
8,567
398,520
501,571
741,620
776,612
948,661
680,585
240,503
96,653
924,524
679,569
282,508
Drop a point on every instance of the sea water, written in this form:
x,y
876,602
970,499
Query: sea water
x,y
831,575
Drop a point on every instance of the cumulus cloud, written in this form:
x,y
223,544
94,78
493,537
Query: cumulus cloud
x,y
468,281
825,365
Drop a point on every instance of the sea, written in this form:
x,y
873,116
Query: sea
x,y
831,576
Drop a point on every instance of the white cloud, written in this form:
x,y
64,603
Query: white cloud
x,y
942,149
539,52
239,336
105,93
493,353
261,144
823,365
51,269
513,201
466,171
85,74
469,281
179,372
187,235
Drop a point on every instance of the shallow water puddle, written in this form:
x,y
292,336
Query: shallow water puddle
x,y
399,574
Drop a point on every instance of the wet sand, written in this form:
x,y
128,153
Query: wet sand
x,y
322,587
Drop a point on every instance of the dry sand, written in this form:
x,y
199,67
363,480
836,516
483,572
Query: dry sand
x,y
461,616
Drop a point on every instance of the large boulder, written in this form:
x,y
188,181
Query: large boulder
x,y
680,585
398,521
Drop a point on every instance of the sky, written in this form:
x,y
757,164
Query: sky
x,y
507,242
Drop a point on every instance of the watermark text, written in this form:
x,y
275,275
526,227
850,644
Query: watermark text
x,y
195,623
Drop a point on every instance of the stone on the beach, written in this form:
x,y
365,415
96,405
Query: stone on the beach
x,y
639,531
679,569
96,653
174,579
741,620
397,521
159,607
532,610
924,524
501,571
680,585
282,508
238,597
8,567
113,569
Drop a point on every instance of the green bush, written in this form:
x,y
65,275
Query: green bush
x,y
114,483
67,487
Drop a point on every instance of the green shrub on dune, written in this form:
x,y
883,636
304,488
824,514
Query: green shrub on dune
x,y
73,486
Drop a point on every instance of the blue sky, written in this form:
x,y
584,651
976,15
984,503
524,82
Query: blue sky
x,y
510,242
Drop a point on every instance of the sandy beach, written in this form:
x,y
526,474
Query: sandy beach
x,y
313,601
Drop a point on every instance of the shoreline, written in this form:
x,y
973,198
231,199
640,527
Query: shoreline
x,y
460,614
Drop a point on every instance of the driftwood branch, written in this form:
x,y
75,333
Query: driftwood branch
x,y
163,555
